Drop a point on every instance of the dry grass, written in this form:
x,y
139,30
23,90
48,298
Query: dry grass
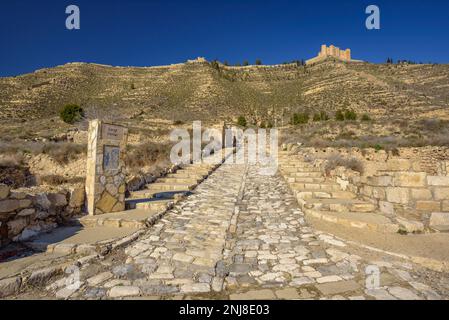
x,y
338,161
64,152
146,155
56,180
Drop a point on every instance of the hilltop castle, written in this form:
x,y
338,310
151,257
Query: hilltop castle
x,y
331,51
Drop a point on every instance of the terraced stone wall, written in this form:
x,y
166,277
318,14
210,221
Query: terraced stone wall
x,y
24,213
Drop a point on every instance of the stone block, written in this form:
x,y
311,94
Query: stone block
x,y
77,197
438,181
445,205
9,205
57,199
410,179
398,165
106,202
4,191
379,193
439,219
381,181
428,206
16,226
421,194
398,195
441,193
386,207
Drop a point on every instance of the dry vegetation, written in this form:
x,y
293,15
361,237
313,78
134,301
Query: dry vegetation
x,y
401,101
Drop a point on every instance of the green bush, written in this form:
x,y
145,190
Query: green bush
x,y
339,115
300,118
345,114
258,62
366,117
71,113
246,63
350,115
241,121
322,116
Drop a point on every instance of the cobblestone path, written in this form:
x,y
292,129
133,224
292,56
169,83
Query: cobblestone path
x,y
242,236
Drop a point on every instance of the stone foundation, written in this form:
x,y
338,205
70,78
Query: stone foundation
x,y
25,214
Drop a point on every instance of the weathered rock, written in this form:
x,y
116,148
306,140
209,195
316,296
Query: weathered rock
x,y
40,277
57,199
9,286
42,201
26,212
439,219
9,205
16,226
77,197
4,191
124,291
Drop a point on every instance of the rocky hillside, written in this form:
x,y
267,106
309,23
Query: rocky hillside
x,y
191,91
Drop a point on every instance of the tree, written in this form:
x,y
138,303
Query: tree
x,y
246,63
258,62
71,113
226,63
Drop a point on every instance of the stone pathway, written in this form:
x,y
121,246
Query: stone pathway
x,y
241,235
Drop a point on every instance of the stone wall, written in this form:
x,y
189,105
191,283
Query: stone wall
x,y
24,214
397,189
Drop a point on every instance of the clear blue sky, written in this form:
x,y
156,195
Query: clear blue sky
x,y
153,32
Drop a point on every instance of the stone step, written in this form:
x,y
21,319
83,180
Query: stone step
x,y
321,194
167,186
370,221
79,240
190,174
297,186
307,180
313,174
136,218
294,169
173,178
340,205
147,203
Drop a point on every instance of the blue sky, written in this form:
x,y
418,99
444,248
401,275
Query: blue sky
x,y
153,32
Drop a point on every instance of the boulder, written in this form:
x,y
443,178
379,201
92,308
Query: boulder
x,y
16,226
42,201
57,199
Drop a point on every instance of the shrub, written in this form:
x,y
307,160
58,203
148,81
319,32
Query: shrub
x,y
258,62
214,64
350,115
64,152
322,116
178,122
339,115
366,117
300,118
246,63
339,161
146,154
241,121
71,113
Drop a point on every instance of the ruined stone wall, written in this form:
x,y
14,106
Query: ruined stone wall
x,y
25,214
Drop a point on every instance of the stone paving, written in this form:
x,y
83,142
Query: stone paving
x,y
241,235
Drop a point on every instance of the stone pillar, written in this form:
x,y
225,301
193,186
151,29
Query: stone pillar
x,y
105,176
